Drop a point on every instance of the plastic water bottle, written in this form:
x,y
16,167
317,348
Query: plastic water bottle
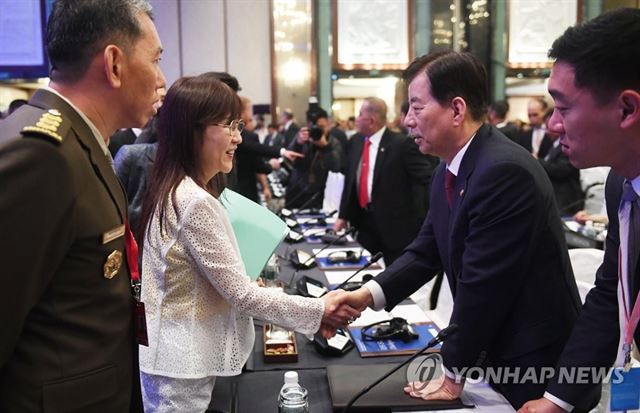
x,y
293,397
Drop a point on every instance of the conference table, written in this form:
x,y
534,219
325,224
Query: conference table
x,y
256,389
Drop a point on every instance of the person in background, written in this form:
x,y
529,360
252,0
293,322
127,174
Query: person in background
x,y
533,139
351,127
492,228
289,127
497,116
260,128
251,166
322,154
200,302
595,84
404,109
66,300
386,184
274,137
565,178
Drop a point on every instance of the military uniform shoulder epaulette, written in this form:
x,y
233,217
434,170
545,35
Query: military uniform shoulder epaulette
x,y
50,125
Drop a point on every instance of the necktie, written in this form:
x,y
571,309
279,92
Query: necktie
x,y
633,243
363,194
449,186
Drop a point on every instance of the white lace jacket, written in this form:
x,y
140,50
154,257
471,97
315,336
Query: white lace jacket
x,y
199,302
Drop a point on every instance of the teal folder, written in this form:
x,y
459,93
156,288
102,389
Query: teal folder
x,y
258,230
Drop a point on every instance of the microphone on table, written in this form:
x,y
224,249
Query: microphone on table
x,y
372,261
308,262
295,260
443,335
284,212
316,221
309,201
287,212
295,236
341,343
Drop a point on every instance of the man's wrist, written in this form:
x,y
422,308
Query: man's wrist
x,y
558,402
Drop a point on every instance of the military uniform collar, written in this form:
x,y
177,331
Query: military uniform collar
x,y
94,130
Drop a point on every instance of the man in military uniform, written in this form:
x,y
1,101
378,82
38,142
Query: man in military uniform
x,y
66,298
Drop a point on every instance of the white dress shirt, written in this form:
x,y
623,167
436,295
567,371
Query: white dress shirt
x,y
536,139
199,300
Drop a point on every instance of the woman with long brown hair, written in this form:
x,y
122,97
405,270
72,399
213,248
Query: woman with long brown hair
x,y
199,300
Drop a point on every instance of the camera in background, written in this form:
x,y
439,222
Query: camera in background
x,y
313,113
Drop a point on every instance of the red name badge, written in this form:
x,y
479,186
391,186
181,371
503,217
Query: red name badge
x,y
140,323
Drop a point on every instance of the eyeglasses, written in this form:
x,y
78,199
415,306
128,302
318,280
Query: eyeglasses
x,y
235,126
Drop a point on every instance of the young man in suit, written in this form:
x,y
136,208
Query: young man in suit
x,y
386,184
564,177
595,83
492,227
66,302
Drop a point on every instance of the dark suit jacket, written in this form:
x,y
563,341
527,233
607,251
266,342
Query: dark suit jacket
x,y
525,141
133,166
290,134
401,179
309,174
504,253
119,139
67,332
276,140
250,157
565,179
594,340
510,130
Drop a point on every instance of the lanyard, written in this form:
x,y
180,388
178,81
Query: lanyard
x,y
132,259
631,316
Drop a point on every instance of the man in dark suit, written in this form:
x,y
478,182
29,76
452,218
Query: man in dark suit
x,y
122,138
533,139
274,137
492,227
251,166
565,178
389,209
595,86
66,297
497,116
289,127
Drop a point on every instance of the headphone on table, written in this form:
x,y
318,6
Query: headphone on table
x,y
397,327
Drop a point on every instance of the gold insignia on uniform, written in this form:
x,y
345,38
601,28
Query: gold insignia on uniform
x,y
112,265
48,125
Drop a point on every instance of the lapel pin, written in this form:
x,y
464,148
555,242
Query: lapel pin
x,y
461,192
